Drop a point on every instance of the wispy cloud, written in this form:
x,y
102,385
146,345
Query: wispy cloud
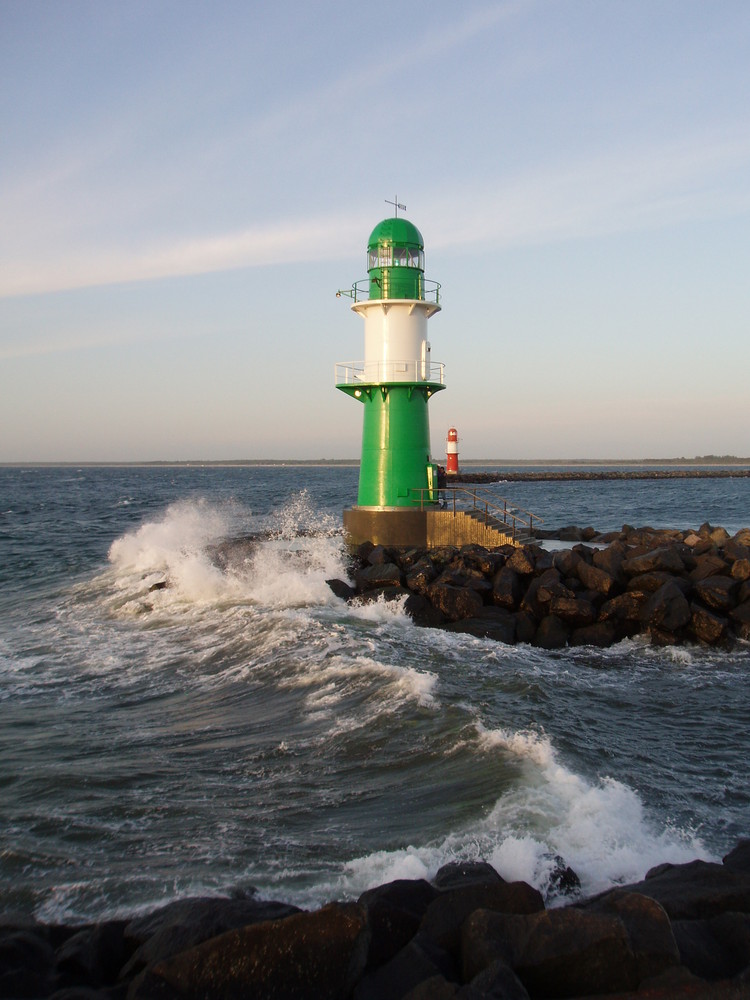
x,y
608,192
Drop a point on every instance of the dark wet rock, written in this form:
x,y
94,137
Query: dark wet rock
x,y
706,626
611,559
667,609
161,585
566,562
422,613
462,874
733,549
741,570
562,880
406,970
595,579
378,555
648,583
435,988
497,982
625,607
488,623
94,956
186,923
27,962
305,956
708,565
698,889
530,601
526,625
342,589
555,953
445,915
380,575
395,911
648,928
522,561
421,575
551,633
507,589
717,948
601,634
738,859
662,560
717,592
575,612
384,593
455,602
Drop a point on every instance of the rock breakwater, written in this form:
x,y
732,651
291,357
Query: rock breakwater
x,y
673,586
683,932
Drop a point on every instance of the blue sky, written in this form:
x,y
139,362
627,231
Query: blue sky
x,y
186,184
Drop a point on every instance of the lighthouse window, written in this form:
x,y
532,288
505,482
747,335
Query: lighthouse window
x,y
372,259
416,259
400,257
384,256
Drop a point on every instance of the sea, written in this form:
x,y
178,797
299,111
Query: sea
x,y
186,708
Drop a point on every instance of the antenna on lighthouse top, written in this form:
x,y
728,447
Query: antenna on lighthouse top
x,y
396,204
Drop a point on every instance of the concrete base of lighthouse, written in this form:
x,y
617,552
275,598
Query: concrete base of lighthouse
x,y
420,529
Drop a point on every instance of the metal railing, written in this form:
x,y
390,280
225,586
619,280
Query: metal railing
x,y
360,291
497,512
377,372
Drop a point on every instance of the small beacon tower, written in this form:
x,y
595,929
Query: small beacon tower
x,y
394,383
451,452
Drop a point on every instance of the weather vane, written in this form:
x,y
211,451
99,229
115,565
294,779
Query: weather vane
x,y
396,204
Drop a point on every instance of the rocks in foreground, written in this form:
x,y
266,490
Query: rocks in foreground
x,y
672,586
684,931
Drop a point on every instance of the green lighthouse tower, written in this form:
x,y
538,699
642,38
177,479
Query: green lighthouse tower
x,y
394,383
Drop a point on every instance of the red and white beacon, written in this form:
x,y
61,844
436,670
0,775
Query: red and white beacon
x,y
451,452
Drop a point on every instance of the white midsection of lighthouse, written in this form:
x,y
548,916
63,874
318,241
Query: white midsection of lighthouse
x,y
396,344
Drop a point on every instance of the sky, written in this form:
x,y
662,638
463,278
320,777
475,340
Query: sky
x,y
185,185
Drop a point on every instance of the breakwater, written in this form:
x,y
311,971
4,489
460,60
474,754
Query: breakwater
x,y
673,586
603,475
681,932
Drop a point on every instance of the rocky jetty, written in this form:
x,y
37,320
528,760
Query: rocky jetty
x,y
672,586
683,932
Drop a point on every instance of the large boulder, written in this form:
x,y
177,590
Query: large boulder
x,y
395,911
575,612
698,889
507,588
307,956
186,923
488,623
455,602
662,560
551,633
717,948
445,915
421,575
667,609
555,953
648,928
596,579
380,575
717,592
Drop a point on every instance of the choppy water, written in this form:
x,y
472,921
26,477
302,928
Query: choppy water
x,y
245,727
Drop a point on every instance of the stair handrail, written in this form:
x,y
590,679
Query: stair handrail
x,y
509,515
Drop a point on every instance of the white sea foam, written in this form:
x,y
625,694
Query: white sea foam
x,y
175,551
597,828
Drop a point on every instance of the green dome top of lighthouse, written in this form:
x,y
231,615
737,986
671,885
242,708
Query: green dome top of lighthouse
x,y
395,232
395,260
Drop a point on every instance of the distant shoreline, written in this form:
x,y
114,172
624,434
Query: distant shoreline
x,y
705,462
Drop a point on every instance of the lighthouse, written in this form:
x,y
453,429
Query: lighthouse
x,y
394,383
451,452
